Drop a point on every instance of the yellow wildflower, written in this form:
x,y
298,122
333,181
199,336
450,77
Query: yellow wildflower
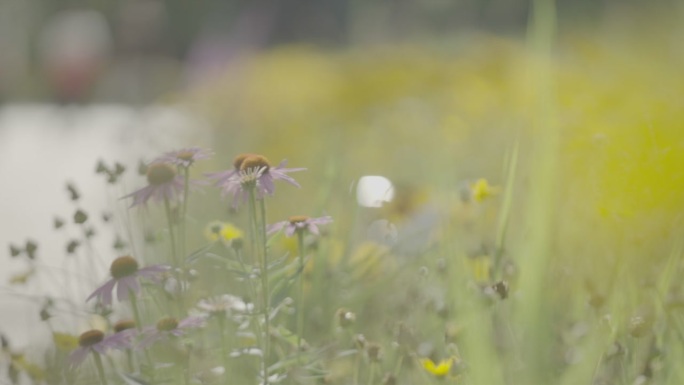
x,y
481,268
222,231
481,190
440,369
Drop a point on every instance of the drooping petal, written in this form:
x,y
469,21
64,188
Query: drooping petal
x,y
77,356
104,292
274,228
191,322
290,230
124,287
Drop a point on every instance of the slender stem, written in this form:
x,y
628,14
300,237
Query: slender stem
x,y
371,373
400,361
129,360
174,254
169,218
300,296
264,283
222,334
357,367
259,234
184,213
136,312
100,368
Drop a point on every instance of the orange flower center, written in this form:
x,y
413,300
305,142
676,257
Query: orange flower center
x,y
255,162
298,219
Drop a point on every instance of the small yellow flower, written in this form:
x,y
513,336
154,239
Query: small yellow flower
x,y
65,342
438,370
222,231
481,268
481,190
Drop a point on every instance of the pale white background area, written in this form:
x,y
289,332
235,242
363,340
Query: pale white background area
x,y
42,147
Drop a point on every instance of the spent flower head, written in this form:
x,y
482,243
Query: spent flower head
x,y
126,273
300,223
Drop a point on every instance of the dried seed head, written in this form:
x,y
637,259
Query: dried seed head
x,y
374,352
90,338
255,162
124,325
298,219
167,324
639,326
123,266
345,318
160,173
360,341
237,243
389,379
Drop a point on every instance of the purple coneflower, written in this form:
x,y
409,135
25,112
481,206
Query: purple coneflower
x,y
185,157
163,184
125,274
252,171
167,327
300,223
95,341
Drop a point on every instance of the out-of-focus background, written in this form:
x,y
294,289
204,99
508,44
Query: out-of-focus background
x,y
429,94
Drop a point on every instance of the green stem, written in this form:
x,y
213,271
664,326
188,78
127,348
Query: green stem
x,y
371,373
222,334
174,254
184,213
258,230
100,368
300,296
264,283
136,312
129,360
357,367
169,218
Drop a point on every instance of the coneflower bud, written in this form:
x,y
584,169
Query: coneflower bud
x,y
123,325
90,338
123,266
160,173
167,324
